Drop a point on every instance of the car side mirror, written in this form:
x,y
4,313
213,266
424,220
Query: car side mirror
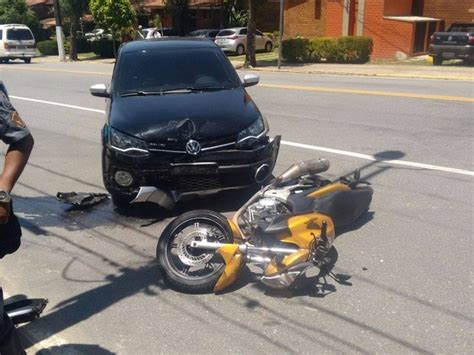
x,y
99,90
250,80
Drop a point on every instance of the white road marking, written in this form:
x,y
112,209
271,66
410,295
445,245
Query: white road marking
x,y
57,104
298,145
374,158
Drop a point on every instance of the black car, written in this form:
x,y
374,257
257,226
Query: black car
x,y
456,43
180,123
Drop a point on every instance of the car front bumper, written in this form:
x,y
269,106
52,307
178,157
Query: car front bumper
x,y
181,177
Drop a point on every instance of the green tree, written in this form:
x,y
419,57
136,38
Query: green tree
x,y
114,15
16,11
179,10
73,10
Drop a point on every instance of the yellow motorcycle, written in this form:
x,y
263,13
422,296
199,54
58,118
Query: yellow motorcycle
x,y
287,228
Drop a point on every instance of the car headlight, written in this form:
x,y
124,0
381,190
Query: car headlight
x,y
127,144
252,133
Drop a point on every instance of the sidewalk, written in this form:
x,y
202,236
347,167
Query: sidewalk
x,y
448,72
445,72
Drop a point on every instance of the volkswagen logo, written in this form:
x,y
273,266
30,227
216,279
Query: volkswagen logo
x,y
450,38
193,147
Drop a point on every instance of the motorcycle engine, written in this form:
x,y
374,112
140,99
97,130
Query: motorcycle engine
x,y
265,209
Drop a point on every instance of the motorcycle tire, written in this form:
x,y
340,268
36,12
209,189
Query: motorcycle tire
x,y
173,276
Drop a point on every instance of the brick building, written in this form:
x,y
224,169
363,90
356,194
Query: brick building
x,y
394,25
210,14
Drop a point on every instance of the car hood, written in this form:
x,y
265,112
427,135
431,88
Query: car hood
x,y
171,117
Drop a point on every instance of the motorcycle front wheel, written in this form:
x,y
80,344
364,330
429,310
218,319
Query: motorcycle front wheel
x,y
188,269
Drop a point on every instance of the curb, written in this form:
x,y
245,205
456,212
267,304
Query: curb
x,y
380,75
240,65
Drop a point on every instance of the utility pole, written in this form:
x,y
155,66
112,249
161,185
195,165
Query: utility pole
x,y
282,6
59,31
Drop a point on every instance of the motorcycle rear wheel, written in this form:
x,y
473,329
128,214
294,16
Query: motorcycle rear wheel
x,y
187,269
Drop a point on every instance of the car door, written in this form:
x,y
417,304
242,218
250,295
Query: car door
x,y
259,41
243,37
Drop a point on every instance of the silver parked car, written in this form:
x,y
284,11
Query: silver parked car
x,y
235,40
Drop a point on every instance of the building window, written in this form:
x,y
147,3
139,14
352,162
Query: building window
x,y
317,9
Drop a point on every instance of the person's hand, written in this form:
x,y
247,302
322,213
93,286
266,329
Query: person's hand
x,y
4,212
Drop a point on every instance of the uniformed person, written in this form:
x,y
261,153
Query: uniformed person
x,y
16,135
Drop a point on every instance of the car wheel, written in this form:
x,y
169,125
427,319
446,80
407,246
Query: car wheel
x,y
240,50
437,60
4,60
268,47
27,60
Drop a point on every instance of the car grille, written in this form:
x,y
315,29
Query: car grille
x,y
198,183
213,144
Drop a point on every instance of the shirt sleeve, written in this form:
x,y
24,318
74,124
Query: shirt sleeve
x,y
12,127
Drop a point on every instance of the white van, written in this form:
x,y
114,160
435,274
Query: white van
x,y
16,42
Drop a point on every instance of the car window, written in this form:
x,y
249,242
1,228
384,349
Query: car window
x,y
159,70
1,34
462,28
243,31
226,33
19,34
213,33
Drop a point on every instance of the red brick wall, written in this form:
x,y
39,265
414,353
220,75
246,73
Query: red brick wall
x,y
305,18
268,17
389,36
398,7
334,10
450,10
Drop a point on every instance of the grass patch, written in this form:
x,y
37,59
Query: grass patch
x,y
88,56
263,59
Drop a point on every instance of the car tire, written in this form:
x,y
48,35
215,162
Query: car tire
x,y
27,60
437,60
268,47
4,60
240,50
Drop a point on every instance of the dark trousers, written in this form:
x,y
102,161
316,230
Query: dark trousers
x,y
9,341
10,235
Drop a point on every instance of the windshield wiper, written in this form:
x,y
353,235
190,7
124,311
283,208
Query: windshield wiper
x,y
141,93
208,88
186,90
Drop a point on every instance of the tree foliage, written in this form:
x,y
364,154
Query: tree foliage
x,y
74,10
114,15
16,11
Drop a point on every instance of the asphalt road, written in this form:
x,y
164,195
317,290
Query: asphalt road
x,y
410,258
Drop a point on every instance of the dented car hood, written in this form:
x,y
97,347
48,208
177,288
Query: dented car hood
x,y
197,115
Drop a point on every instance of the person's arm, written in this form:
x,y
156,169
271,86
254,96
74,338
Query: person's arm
x,y
15,161
16,135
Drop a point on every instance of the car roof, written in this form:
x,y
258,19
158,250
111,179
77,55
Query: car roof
x,y
168,43
233,29
13,25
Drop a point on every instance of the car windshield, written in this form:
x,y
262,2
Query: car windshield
x,y
462,28
155,71
17,34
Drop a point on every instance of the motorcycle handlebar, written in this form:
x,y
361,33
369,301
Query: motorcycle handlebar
x,y
308,167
